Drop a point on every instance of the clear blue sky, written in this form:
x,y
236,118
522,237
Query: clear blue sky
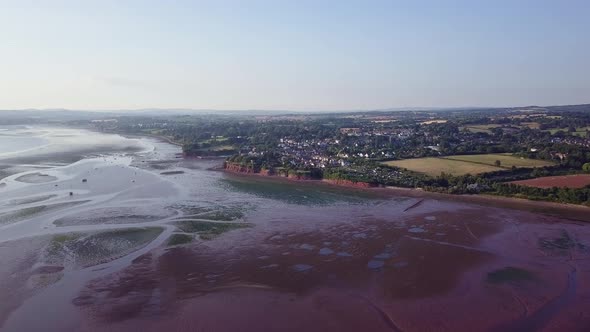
x,y
299,55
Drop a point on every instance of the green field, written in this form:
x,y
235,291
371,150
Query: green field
x,y
213,140
221,148
506,160
532,125
581,132
481,128
435,166
488,127
465,164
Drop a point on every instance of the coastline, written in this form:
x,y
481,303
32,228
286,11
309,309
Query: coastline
x,y
168,140
159,137
545,207
567,211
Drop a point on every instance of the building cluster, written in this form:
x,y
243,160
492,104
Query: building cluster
x,y
579,141
311,152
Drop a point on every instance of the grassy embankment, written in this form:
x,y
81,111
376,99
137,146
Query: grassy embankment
x,y
466,164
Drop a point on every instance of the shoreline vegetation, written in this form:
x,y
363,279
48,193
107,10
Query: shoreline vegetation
x,y
295,176
570,211
159,137
483,184
503,201
315,178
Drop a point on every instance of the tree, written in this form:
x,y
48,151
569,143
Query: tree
x,y
498,163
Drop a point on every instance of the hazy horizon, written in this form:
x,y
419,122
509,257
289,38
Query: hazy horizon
x,y
280,111
298,57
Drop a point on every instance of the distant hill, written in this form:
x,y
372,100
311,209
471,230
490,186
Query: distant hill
x,y
32,116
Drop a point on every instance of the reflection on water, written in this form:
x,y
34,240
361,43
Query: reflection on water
x,y
12,144
296,193
34,145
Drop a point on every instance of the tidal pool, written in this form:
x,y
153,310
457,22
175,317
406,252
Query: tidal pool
x,y
36,178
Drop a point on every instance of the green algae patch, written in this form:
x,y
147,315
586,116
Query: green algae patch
x,y
179,239
223,215
30,200
33,211
114,215
60,239
82,249
216,213
563,242
208,230
510,274
18,215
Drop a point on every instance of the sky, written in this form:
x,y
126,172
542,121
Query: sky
x,y
292,55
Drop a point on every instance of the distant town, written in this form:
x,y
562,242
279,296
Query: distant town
x,y
540,153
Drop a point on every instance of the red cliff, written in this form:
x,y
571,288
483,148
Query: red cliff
x,y
238,168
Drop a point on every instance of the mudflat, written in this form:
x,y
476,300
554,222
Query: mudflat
x,y
440,267
197,249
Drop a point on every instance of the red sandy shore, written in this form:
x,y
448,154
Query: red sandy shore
x,y
564,181
431,281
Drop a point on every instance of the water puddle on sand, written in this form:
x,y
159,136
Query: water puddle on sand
x,y
36,178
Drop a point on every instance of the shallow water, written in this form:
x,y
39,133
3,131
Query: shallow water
x,y
15,143
262,252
